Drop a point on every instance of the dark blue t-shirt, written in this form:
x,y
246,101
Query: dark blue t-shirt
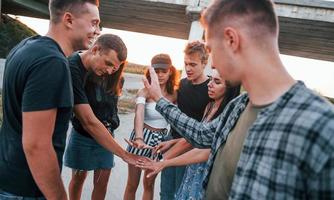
x,y
90,89
36,77
192,100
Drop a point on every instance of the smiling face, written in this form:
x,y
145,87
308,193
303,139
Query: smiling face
x,y
104,62
85,27
216,86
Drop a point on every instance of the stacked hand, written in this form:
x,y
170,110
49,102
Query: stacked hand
x,y
162,147
131,159
140,144
148,164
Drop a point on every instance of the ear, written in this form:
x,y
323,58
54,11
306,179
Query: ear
x,y
231,38
95,49
68,19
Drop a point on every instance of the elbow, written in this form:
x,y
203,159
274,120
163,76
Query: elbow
x,y
88,123
33,148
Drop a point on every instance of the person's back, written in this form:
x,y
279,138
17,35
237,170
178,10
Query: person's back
x,y
37,102
25,67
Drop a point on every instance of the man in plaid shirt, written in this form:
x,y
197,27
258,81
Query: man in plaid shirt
x,y
273,142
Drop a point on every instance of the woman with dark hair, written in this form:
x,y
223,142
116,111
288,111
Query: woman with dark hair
x,y
149,126
220,93
97,84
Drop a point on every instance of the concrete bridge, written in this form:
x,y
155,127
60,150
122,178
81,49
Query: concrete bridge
x,y
306,26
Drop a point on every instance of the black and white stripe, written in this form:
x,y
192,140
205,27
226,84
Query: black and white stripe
x,y
151,138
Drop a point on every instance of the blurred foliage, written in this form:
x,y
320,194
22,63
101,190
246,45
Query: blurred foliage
x,y
11,33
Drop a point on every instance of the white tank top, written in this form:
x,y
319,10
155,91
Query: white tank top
x,y
153,118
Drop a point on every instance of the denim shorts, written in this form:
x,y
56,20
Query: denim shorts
x,y
9,196
84,153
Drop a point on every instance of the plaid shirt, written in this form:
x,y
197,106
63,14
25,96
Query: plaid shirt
x,y
287,154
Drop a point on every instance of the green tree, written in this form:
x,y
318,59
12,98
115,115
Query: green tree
x,y
11,33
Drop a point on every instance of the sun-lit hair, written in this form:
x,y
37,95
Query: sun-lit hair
x,y
258,15
58,7
197,47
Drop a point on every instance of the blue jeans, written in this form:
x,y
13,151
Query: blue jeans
x,y
171,179
8,196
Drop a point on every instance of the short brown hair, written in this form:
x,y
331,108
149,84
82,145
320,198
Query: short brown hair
x,y
199,48
107,42
112,42
58,7
257,13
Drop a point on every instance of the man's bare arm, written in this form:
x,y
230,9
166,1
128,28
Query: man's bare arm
x,y
99,132
38,128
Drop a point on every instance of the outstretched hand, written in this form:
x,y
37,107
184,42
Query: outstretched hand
x,y
131,159
148,164
139,144
162,147
153,88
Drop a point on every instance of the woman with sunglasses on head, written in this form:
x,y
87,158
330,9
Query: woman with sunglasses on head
x,y
149,126
220,93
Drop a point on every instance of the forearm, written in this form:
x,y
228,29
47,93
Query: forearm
x,y
139,119
139,125
198,134
180,147
97,130
44,167
191,157
102,136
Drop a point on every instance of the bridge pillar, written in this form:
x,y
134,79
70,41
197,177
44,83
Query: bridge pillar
x,y
196,31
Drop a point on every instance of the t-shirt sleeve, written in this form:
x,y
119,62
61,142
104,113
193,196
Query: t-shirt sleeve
x,y
79,93
48,85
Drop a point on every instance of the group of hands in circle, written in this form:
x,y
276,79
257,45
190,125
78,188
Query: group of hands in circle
x,y
155,164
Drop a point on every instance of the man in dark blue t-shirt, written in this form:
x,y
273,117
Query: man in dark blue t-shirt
x,y
37,102
91,144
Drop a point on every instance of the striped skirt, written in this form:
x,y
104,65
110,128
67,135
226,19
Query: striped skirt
x,y
151,138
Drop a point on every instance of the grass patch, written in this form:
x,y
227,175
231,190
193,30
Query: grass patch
x,y
126,103
135,68
132,91
126,106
